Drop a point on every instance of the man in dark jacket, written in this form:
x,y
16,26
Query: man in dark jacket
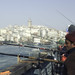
x,y
69,64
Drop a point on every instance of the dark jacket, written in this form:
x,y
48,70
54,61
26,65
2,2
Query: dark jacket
x,y
69,64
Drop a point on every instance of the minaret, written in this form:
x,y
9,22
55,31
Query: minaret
x,y
29,23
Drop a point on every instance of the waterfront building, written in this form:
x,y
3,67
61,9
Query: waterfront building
x,y
31,33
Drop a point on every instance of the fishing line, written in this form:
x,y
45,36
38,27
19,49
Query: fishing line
x,y
64,16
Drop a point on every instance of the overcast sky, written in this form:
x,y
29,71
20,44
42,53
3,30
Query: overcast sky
x,y
41,12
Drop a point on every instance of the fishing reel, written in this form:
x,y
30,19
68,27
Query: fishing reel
x,y
36,65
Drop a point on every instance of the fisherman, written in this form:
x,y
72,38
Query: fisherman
x,y
69,64
71,28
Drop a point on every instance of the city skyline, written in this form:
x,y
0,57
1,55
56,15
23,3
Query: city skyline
x,y
41,12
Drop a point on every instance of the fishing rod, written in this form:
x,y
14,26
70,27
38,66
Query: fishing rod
x,y
32,47
64,16
39,59
17,55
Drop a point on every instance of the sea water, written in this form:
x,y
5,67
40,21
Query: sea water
x,y
7,61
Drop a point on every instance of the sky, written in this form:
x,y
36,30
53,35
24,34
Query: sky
x,y
41,12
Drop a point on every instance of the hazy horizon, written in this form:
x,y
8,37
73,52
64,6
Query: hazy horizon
x,y
41,12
